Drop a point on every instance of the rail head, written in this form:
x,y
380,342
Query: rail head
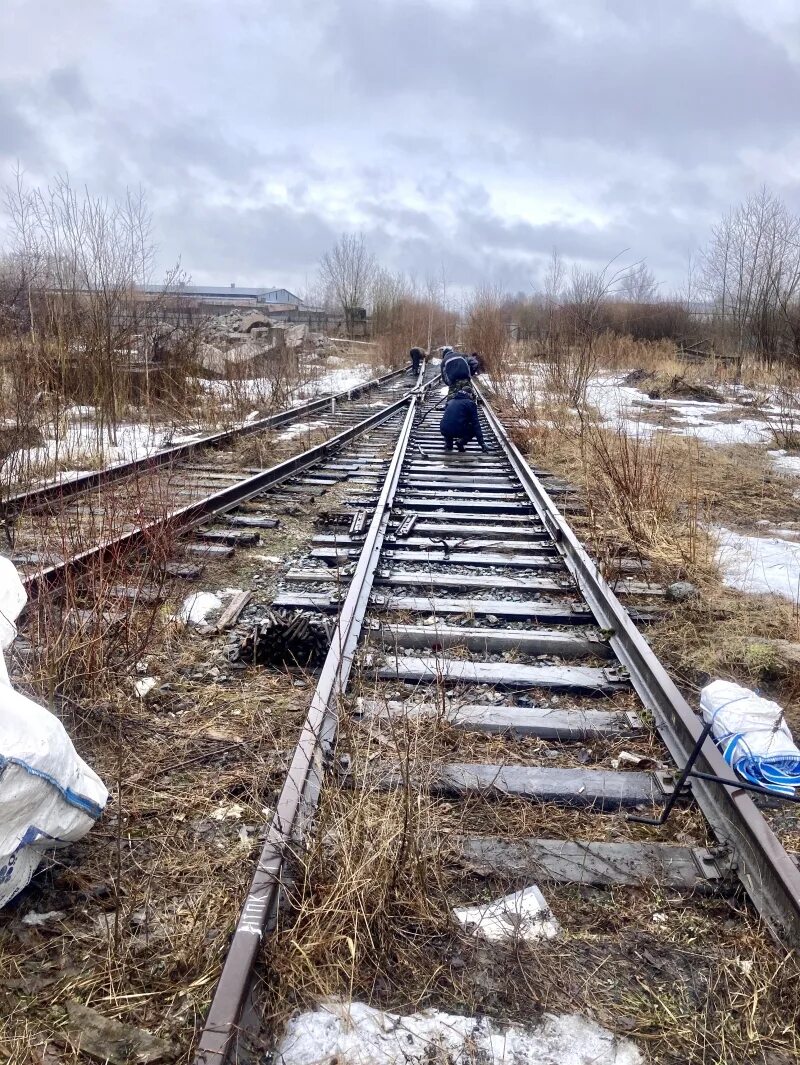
x,y
766,871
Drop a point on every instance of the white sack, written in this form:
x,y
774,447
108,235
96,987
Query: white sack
x,y
12,599
753,735
49,797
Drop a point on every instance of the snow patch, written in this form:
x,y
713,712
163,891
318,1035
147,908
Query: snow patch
x,y
196,607
759,564
524,915
784,462
299,428
356,1034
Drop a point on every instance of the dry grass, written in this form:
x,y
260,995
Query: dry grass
x,y
146,897
149,896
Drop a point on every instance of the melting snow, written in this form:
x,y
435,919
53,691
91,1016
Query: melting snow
x,y
759,564
301,427
197,606
524,915
622,405
356,1034
784,462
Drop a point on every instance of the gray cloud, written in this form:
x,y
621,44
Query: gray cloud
x,y
465,136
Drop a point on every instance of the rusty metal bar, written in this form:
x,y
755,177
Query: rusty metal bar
x,y
61,490
211,506
300,792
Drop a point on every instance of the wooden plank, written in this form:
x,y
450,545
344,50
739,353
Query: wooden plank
x,y
540,560
322,601
559,861
556,613
300,489
216,551
472,543
597,789
186,571
228,536
484,485
487,558
506,675
515,521
490,506
545,723
454,493
252,521
489,582
230,614
530,531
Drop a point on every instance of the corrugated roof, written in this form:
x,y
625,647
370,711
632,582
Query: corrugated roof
x,y
229,291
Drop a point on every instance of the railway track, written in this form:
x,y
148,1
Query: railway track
x,y
476,660
70,525
473,612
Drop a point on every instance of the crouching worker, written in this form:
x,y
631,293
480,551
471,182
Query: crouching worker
x,y
455,368
416,359
460,422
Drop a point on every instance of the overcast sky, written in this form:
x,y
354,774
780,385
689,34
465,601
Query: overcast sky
x,y
464,136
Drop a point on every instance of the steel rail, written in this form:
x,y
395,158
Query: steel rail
x,y
766,871
57,491
211,506
300,792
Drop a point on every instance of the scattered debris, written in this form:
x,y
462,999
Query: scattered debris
x,y
524,915
679,388
109,1041
230,614
641,761
635,377
144,686
354,1033
285,637
681,591
36,920
227,813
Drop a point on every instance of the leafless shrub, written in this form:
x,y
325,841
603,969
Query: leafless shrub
x,y
576,323
751,273
486,329
99,620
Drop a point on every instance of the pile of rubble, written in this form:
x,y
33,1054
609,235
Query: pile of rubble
x,y
241,338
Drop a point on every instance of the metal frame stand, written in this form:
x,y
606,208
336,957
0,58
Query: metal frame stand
x,y
689,771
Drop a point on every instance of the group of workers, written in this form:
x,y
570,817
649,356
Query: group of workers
x,y
460,422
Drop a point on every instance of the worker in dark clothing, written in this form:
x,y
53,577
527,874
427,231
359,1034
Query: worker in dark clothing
x,y
416,358
460,422
475,364
455,367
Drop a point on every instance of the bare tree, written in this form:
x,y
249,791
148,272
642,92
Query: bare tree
x,y
751,273
487,328
639,285
82,261
573,359
347,272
